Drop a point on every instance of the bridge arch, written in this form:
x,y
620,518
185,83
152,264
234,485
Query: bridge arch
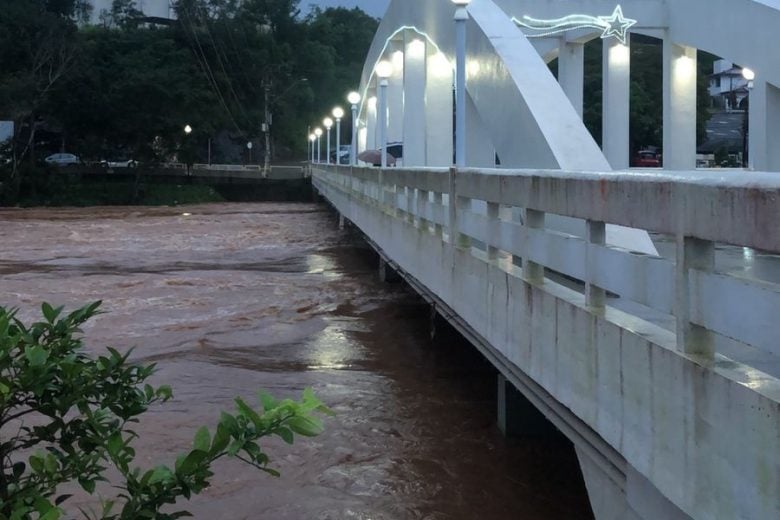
x,y
532,121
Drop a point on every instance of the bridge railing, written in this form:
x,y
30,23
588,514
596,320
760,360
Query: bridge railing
x,y
709,310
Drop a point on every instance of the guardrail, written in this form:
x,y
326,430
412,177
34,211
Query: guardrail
x,y
672,362
700,209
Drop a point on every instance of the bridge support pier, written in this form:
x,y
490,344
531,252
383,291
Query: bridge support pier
x,y
517,417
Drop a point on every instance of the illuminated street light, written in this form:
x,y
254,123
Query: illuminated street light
x,y
328,122
338,113
312,139
318,133
354,99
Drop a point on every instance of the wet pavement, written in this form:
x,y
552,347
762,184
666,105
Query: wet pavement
x,y
231,299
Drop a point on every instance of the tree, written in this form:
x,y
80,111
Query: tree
x,y
75,411
36,52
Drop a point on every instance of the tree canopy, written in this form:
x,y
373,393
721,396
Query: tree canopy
x,y
130,84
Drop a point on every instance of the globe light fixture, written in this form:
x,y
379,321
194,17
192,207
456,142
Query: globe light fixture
x,y
384,69
188,129
354,98
748,74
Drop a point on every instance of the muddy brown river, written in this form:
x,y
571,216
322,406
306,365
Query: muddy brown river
x,y
229,299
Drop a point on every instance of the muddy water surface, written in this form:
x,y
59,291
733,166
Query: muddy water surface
x,y
230,299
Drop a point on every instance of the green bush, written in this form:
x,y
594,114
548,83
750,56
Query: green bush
x,y
72,411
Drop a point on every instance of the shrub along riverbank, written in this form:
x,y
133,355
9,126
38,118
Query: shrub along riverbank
x,y
55,188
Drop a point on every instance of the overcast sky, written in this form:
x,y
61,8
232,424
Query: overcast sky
x,y
375,8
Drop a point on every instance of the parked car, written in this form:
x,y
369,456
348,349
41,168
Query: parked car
x,y
647,159
120,163
62,159
344,153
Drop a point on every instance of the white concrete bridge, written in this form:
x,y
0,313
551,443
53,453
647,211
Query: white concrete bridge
x,y
662,370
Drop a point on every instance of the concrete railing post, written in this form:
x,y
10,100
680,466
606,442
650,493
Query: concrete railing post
x,y
457,238
491,235
532,272
692,253
409,195
422,202
597,235
438,200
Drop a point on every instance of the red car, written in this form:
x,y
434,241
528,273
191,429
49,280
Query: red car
x,y
647,159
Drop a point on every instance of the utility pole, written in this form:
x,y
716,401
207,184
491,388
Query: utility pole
x,y
267,128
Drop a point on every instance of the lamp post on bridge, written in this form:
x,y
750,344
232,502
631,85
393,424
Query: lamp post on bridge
x,y
354,99
328,122
312,139
461,17
747,157
384,69
318,134
338,113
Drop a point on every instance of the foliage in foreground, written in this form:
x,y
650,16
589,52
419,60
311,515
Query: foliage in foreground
x,y
65,418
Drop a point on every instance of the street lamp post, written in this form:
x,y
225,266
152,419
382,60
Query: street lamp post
x,y
461,17
384,69
747,157
318,133
312,139
354,99
338,113
328,122
187,132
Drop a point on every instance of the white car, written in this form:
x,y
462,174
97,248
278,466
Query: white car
x,y
129,163
62,159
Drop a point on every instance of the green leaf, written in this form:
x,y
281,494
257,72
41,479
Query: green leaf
x,y
247,412
18,469
221,440
286,434
52,514
36,355
160,474
36,463
202,440
268,401
87,485
50,313
230,423
191,462
114,444
306,426
165,393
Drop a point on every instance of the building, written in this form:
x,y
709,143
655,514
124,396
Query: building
x,y
155,8
728,88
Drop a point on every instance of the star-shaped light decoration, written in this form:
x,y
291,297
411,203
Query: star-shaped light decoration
x,y
614,26
617,25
